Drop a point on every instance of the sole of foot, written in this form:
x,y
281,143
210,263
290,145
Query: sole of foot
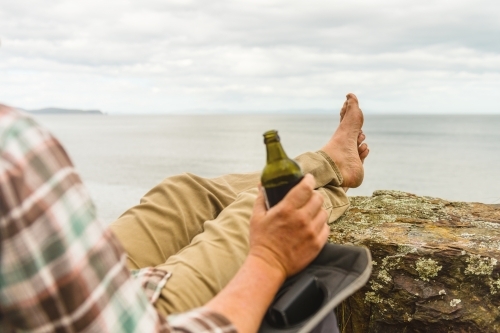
x,y
343,147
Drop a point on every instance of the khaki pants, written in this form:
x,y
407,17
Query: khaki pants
x,y
198,229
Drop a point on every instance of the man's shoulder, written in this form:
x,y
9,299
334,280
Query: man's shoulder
x,y
12,119
10,114
18,131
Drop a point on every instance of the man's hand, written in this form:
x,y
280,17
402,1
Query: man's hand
x,y
289,235
283,240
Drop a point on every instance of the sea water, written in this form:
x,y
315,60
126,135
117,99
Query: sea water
x,y
120,157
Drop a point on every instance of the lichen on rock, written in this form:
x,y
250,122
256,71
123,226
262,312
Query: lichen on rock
x,y
384,276
494,286
436,264
478,265
372,297
427,268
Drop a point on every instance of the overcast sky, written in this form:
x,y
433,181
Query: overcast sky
x,y
179,56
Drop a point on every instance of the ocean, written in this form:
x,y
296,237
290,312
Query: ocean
x,y
120,157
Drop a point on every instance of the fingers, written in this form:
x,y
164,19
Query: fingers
x,y
313,213
319,220
301,193
306,204
320,229
259,207
314,206
323,235
290,234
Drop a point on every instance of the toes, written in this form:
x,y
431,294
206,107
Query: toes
x,y
364,155
361,138
356,115
363,151
362,148
352,98
343,110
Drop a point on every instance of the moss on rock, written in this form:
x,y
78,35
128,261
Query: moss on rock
x,y
435,267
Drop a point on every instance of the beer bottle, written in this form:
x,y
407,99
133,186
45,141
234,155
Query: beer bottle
x,y
280,173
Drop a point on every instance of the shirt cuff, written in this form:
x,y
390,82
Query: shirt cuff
x,y
152,281
201,320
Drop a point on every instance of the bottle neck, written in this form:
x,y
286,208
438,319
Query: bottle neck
x,y
275,152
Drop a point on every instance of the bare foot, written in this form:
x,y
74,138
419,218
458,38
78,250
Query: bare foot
x,y
343,147
363,151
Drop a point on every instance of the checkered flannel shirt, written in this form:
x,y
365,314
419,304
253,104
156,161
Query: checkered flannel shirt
x,y
60,270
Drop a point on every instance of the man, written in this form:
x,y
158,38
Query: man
x,y
60,271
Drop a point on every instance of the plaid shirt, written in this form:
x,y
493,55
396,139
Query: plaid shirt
x,y
60,270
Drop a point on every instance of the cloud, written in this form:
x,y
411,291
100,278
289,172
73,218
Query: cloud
x,y
176,56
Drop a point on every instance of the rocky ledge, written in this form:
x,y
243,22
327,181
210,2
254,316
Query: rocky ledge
x,y
436,264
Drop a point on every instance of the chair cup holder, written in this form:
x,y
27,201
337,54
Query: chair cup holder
x,y
296,301
308,298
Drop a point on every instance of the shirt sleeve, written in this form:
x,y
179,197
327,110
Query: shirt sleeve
x,y
60,269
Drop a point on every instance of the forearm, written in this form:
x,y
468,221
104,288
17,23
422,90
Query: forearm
x,y
246,298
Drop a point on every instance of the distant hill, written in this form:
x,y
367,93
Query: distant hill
x,y
64,111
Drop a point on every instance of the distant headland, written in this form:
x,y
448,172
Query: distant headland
x,y
64,111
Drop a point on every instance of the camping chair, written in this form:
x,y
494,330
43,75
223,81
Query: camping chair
x,y
306,301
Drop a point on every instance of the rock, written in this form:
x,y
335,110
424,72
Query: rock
x,y
436,264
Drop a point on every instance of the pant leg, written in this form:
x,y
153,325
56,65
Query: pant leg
x,y
328,182
171,214
202,268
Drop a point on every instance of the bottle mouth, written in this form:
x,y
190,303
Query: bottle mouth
x,y
271,136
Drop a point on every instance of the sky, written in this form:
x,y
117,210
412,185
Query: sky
x,y
218,56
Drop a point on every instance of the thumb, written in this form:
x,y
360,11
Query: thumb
x,y
259,207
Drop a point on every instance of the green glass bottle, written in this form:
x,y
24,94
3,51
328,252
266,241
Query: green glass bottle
x,y
280,173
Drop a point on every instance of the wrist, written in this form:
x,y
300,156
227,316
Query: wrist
x,y
268,264
253,288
